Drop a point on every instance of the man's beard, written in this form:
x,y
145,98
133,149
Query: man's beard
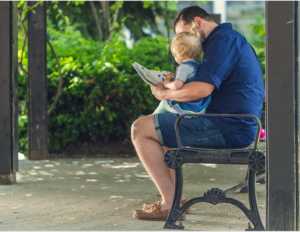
x,y
202,36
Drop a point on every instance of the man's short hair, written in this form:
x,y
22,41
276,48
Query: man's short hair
x,y
189,13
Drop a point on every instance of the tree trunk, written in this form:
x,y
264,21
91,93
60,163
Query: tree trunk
x,y
167,21
105,8
94,10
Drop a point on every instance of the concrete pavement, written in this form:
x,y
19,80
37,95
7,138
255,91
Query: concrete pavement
x,y
100,194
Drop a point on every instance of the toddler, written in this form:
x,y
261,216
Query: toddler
x,y
186,49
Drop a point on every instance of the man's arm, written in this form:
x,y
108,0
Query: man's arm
x,y
173,85
189,92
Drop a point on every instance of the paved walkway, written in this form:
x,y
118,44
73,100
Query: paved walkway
x,y
100,194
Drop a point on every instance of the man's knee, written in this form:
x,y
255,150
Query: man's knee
x,y
136,129
143,127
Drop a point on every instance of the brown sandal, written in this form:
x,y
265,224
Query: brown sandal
x,y
154,213
147,206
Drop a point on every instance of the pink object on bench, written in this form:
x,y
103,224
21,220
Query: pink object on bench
x,y
262,133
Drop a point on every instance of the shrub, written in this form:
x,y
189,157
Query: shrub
x,y
101,92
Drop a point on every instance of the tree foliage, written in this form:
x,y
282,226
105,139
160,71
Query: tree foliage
x,y
135,15
258,41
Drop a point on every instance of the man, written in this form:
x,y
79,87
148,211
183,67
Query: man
x,y
231,72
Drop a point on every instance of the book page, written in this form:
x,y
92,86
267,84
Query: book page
x,y
141,73
152,76
160,76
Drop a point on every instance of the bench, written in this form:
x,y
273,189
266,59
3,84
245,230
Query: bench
x,y
250,156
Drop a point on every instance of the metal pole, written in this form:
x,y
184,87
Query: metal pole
x,y
8,92
37,83
282,114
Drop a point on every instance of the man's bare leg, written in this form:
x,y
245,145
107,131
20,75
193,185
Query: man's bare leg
x,y
150,152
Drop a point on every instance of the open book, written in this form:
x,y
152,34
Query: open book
x,y
151,77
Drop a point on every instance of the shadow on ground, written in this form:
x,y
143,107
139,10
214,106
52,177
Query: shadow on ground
x,y
100,194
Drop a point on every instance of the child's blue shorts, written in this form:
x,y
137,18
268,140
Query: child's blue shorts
x,y
194,131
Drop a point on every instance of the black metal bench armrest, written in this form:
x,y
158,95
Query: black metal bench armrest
x,y
219,115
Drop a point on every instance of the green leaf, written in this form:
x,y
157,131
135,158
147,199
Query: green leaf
x,y
116,25
261,31
60,22
147,4
67,20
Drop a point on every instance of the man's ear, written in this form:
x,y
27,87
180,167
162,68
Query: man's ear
x,y
198,22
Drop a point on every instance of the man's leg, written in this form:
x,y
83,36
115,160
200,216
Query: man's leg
x,y
194,131
150,152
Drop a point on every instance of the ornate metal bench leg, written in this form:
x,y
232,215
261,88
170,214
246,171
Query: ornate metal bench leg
x,y
261,181
256,164
176,211
245,189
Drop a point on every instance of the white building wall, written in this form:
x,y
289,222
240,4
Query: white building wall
x,y
219,7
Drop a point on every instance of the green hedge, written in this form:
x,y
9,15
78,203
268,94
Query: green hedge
x,y
101,92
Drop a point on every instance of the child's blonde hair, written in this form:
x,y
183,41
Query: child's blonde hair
x,y
186,44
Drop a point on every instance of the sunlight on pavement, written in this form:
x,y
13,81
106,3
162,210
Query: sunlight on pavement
x,y
120,181
49,166
93,173
87,165
79,173
143,176
210,165
124,165
116,197
32,173
91,180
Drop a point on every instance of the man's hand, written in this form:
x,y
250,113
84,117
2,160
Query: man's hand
x,y
166,82
158,91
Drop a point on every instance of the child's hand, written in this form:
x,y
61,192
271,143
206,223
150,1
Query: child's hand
x,y
171,74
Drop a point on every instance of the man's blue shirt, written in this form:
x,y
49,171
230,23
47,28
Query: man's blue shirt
x,y
231,65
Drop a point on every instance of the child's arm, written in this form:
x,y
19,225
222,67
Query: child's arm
x,y
174,85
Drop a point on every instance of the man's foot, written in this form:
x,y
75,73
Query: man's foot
x,y
147,206
154,213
